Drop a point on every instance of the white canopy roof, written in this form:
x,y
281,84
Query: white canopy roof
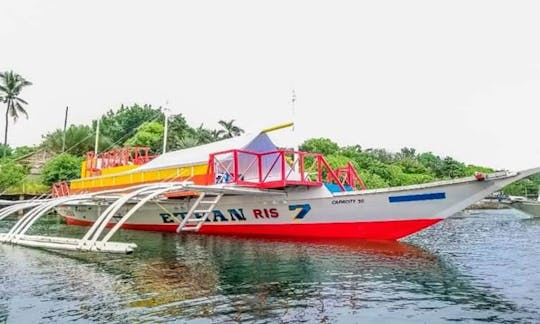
x,y
199,154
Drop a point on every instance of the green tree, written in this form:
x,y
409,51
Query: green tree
x,y
382,155
149,134
188,142
372,180
323,146
11,85
353,152
79,140
62,167
217,134
231,130
407,152
526,187
178,130
452,168
5,151
121,124
204,135
29,185
432,162
21,151
471,169
11,174
371,164
411,165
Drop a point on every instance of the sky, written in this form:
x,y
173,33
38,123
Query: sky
x,y
457,78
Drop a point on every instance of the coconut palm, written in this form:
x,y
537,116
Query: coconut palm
x,y
79,140
231,130
11,85
188,142
216,134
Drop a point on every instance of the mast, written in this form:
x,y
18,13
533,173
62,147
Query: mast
x,y
64,134
97,138
165,128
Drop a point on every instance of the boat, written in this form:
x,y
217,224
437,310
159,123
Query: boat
x,y
245,185
529,206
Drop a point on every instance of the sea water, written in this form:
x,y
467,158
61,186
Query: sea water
x,y
478,266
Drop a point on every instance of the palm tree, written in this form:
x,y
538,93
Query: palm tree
x,y
231,130
217,134
188,142
10,87
79,140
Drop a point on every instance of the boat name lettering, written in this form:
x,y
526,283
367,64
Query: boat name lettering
x,y
232,214
265,213
347,201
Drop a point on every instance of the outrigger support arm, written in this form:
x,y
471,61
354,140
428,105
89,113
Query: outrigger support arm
x,y
92,241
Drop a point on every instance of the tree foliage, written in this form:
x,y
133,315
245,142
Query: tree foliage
x,y
149,134
528,187
323,146
178,130
380,168
5,151
30,186
79,140
121,124
230,129
142,125
21,151
62,167
11,85
11,173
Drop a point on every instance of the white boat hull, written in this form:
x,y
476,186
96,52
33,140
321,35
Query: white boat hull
x,y
530,207
383,214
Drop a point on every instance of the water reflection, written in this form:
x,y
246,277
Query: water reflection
x,y
191,277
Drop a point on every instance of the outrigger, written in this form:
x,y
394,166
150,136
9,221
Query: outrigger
x,y
240,186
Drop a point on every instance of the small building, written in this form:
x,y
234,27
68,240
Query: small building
x,y
36,160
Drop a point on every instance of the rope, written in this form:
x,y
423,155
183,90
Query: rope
x,y
121,139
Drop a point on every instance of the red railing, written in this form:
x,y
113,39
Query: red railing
x,y
136,155
277,169
60,189
348,176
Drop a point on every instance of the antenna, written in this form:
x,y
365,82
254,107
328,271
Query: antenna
x,y
293,104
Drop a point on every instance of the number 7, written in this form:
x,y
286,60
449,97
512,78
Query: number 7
x,y
304,209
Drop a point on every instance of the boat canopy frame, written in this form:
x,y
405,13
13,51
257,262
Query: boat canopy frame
x,y
278,169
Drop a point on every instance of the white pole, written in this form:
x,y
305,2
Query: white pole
x,y
64,134
293,104
165,130
97,139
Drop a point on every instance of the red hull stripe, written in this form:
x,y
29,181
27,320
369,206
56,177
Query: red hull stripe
x,y
385,230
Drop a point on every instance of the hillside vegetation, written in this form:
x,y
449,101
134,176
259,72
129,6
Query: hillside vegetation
x,y
142,125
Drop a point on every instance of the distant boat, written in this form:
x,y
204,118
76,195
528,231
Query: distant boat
x,y
529,206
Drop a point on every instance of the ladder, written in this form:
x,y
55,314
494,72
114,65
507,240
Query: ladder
x,y
193,220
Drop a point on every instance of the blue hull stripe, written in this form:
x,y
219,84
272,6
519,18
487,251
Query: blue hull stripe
x,y
429,196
